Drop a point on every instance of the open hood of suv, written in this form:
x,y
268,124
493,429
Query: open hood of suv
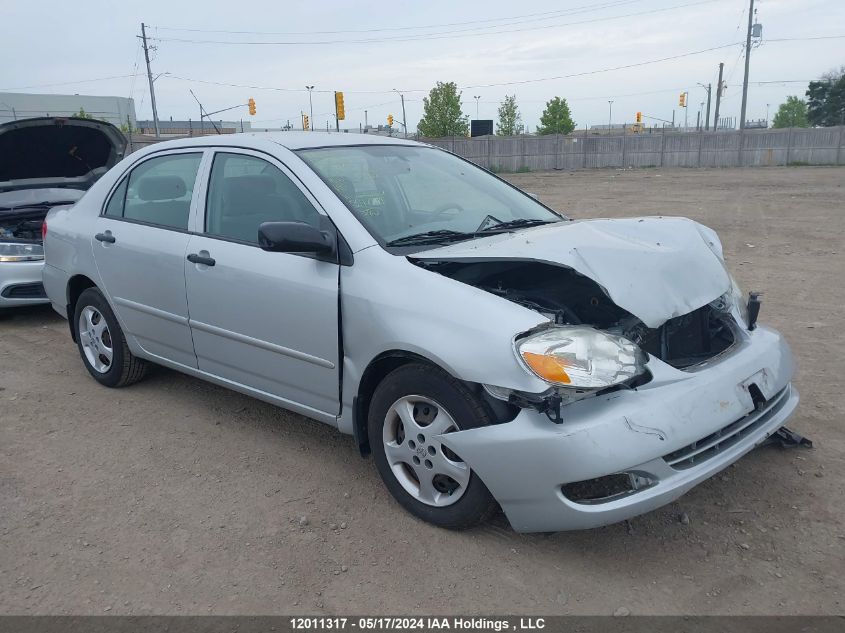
x,y
656,268
57,152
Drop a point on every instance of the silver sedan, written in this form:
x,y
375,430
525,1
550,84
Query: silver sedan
x,y
488,351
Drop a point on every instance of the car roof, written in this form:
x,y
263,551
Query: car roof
x,y
290,140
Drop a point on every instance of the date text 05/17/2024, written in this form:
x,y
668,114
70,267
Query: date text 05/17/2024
x,y
398,623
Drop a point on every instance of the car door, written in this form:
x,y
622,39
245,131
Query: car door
x,y
139,248
265,320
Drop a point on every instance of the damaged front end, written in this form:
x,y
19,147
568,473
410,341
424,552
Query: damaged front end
x,y
590,345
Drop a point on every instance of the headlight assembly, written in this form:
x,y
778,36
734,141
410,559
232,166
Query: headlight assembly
x,y
21,252
581,357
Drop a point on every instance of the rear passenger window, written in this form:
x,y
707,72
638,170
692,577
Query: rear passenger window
x,y
159,190
245,191
114,208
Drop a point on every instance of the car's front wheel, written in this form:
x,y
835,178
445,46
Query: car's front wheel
x,y
101,342
411,407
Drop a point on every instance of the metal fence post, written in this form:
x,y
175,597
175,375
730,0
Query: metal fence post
x,y
662,144
700,142
839,147
741,139
585,146
559,147
624,137
788,145
489,163
522,150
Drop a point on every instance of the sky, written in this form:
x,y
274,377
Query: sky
x,y
270,50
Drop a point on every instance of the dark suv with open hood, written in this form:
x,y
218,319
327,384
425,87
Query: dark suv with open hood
x,y
44,163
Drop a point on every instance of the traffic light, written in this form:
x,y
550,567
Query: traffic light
x,y
338,106
390,120
305,122
682,100
251,104
639,117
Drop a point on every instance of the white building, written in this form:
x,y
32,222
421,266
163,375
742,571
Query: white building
x,y
21,105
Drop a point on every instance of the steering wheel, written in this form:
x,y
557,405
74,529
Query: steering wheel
x,y
443,208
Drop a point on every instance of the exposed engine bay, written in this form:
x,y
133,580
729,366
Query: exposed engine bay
x,y
23,225
566,297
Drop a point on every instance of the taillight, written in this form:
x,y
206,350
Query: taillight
x,y
44,230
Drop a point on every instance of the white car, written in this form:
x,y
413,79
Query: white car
x,y
487,351
44,162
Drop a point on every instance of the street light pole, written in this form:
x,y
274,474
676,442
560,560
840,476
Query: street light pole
x,y
476,97
610,115
709,89
311,106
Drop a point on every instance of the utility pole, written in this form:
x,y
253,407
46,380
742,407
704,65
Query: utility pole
x,y
404,123
747,64
150,78
609,116
718,97
707,117
311,103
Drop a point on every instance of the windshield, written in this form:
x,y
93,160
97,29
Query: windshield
x,y
408,195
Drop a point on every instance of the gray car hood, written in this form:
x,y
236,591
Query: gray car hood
x,y
656,268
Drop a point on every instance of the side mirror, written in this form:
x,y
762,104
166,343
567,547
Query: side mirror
x,y
294,237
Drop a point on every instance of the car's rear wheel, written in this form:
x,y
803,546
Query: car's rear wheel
x,y
101,343
411,407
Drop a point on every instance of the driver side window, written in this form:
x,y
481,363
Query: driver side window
x,y
244,191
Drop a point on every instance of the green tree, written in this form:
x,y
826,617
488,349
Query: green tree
x,y
791,113
442,114
510,121
556,118
826,99
82,114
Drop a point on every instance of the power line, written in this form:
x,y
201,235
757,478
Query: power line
x,y
545,15
430,36
605,70
70,83
276,88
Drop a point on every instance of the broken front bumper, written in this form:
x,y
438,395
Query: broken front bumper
x,y
666,436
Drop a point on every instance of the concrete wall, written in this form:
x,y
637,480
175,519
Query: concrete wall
x,y
21,105
817,146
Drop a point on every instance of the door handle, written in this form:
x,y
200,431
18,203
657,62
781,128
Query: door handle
x,y
199,259
105,237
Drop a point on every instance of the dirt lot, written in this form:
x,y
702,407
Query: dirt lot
x,y
175,496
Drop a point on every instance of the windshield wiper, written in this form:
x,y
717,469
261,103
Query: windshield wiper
x,y
518,223
430,237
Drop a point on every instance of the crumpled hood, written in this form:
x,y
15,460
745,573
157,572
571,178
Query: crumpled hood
x,y
656,268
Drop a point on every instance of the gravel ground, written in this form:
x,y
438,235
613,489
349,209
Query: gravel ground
x,y
178,497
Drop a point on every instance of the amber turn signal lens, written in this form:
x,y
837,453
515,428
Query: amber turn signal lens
x,y
547,367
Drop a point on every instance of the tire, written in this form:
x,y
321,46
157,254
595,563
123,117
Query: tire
x,y
414,466
102,344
